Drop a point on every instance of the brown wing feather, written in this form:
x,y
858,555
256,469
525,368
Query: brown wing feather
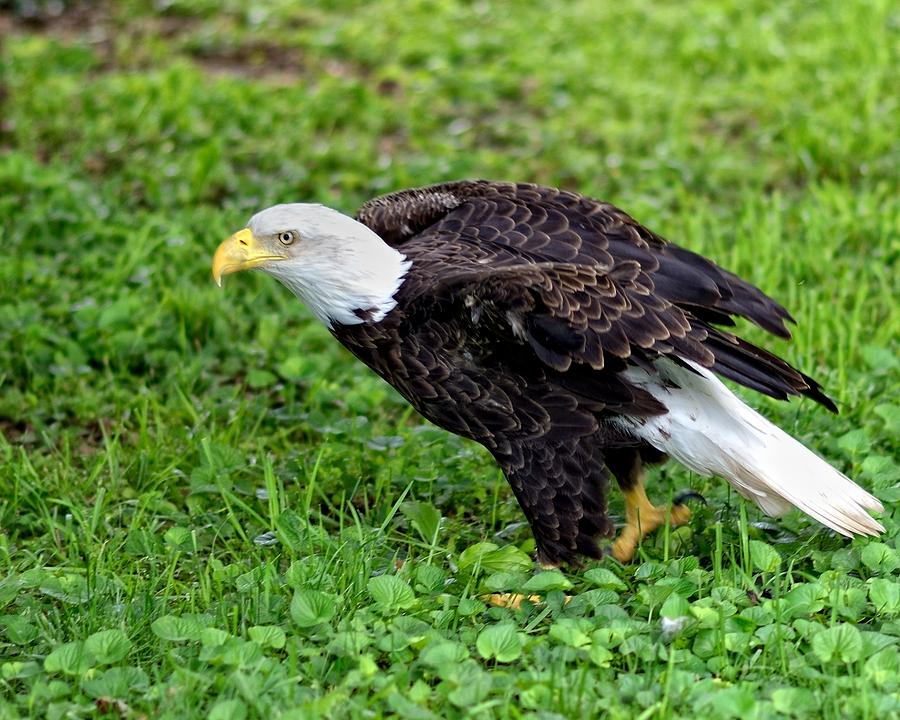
x,y
561,487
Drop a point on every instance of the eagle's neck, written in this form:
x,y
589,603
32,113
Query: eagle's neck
x,y
352,278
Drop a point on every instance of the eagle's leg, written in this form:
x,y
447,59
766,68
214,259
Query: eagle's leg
x,y
641,516
561,488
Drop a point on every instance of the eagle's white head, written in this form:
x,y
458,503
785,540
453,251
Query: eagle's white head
x,y
341,270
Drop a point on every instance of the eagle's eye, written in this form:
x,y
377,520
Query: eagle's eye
x,y
287,237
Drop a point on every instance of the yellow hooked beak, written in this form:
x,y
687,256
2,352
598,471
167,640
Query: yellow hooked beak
x,y
240,252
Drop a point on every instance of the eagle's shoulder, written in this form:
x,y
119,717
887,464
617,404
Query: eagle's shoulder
x,y
535,222
400,215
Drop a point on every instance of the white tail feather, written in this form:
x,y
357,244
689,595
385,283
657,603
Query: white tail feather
x,y
711,431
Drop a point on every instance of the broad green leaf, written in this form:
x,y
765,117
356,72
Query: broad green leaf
x,y
546,581
883,668
890,413
228,710
391,593
733,702
443,653
312,607
293,368
500,642
430,578
9,589
764,557
592,600
257,379
855,442
569,631
885,595
413,629
291,529
393,642
424,517
874,642
604,578
737,642
108,646
179,538
19,670
349,643
804,599
70,589
650,571
537,696
492,558
178,628
249,581
880,358
706,644
807,629
212,637
639,645
840,642
268,636
654,594
472,685
883,470
600,655
505,581
242,653
117,682
879,557
469,606
675,606
408,708
70,658
18,629
707,617
758,614
775,633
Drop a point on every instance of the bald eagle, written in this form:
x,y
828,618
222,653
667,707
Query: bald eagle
x,y
567,339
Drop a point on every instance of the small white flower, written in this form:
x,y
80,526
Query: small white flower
x,y
672,626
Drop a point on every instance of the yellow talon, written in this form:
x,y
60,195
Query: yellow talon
x,y
512,600
642,518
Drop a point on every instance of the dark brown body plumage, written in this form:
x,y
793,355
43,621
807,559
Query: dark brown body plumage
x,y
522,307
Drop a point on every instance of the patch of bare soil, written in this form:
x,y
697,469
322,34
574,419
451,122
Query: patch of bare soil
x,y
59,17
65,20
255,59
17,432
97,24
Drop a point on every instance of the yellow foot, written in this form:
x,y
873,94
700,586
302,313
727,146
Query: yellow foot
x,y
641,519
512,600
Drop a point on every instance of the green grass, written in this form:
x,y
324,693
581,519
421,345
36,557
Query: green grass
x,y
208,509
